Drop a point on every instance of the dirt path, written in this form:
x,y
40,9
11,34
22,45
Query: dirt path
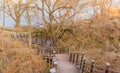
x,y
64,66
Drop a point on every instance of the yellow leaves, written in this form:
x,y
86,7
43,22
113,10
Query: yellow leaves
x,y
113,11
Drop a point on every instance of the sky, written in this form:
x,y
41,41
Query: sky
x,y
10,23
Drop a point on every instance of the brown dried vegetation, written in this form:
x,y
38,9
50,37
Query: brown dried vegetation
x,y
99,39
18,58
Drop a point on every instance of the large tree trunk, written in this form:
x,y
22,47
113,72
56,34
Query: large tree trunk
x,y
17,25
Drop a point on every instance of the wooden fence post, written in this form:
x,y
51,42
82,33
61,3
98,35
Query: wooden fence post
x,y
17,36
82,59
83,66
92,66
70,57
54,63
77,58
68,51
74,57
107,67
54,52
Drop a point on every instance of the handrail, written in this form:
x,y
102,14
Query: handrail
x,y
82,62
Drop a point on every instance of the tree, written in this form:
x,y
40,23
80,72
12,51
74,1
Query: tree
x,y
29,23
3,9
100,8
59,12
15,10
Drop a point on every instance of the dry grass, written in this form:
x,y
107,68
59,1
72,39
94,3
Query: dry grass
x,y
18,58
101,41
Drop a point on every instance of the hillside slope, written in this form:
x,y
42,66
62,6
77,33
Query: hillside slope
x,y
18,58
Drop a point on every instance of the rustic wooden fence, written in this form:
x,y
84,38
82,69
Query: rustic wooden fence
x,y
20,36
45,42
80,61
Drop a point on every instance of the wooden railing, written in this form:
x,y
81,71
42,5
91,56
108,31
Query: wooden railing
x,y
80,61
20,36
45,42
